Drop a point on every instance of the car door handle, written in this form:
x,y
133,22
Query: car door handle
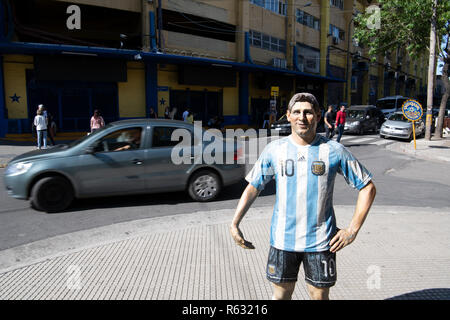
x,y
137,161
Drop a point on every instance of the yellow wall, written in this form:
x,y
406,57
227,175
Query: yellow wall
x,y
132,92
230,101
15,83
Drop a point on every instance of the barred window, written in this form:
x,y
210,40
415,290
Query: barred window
x,y
337,3
267,42
307,19
277,6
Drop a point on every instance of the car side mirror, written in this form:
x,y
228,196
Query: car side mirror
x,y
92,148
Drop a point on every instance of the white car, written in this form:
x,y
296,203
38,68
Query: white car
x,y
397,126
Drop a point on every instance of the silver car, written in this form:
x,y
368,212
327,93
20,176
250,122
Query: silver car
x,y
125,157
397,126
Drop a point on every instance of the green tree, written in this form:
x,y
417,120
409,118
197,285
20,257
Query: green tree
x,y
407,24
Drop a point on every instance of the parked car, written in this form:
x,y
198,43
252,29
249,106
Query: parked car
x,y
390,104
282,126
363,118
397,126
124,157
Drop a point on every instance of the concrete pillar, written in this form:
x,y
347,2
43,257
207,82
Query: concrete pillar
x,y
290,34
145,26
151,89
243,25
324,43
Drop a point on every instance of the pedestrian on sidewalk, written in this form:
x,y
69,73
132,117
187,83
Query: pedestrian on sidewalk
x,y
40,122
50,126
329,125
340,123
97,121
303,228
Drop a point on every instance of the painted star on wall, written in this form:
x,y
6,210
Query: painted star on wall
x,y
15,98
162,101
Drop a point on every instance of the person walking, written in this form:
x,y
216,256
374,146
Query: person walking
x,y
303,230
97,121
340,123
186,113
152,113
167,113
329,125
50,132
190,118
40,122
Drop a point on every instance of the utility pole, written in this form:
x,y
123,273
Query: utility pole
x,y
431,71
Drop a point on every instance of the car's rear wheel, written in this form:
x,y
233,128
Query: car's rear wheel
x,y
204,186
51,194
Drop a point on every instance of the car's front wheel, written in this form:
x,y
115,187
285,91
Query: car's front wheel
x,y
204,186
51,194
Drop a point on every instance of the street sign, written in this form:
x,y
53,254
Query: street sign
x,y
412,110
274,91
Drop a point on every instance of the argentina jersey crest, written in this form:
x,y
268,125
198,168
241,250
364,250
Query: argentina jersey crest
x,y
318,168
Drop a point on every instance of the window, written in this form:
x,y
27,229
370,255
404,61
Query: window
x,y
337,32
274,44
277,6
264,41
120,140
337,3
162,137
307,19
255,38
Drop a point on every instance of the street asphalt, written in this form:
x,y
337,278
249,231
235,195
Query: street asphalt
x,y
400,253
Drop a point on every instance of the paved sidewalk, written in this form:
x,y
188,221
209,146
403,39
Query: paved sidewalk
x,y
401,253
434,149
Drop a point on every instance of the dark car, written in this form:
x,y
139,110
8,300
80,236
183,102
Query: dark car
x,y
125,157
282,126
363,118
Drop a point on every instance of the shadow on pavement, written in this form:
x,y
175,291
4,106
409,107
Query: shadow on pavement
x,y
427,294
232,192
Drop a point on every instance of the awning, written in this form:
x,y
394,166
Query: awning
x,y
135,55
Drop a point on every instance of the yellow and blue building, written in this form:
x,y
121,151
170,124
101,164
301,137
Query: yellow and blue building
x,y
215,57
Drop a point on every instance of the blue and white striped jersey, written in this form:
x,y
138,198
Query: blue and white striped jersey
x,y
303,217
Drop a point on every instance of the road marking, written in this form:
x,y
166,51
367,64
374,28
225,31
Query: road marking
x,y
360,140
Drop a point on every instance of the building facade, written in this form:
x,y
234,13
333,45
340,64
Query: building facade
x,y
218,58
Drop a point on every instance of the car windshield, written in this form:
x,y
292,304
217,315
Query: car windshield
x,y
397,117
356,114
77,142
386,104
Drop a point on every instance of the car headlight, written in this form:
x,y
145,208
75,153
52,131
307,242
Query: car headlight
x,y
18,168
354,124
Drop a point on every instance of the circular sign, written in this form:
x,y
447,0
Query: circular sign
x,y
412,110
